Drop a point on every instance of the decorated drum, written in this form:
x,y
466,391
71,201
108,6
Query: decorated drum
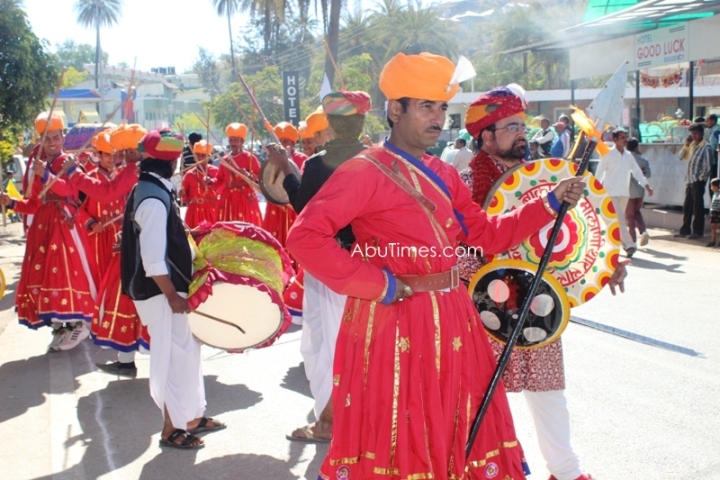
x,y
236,290
587,250
499,289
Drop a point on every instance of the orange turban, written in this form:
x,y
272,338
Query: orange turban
x,y
425,76
202,147
317,122
56,123
286,131
304,132
126,137
236,130
102,144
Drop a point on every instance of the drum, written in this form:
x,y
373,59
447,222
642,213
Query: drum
x,y
236,290
499,289
271,182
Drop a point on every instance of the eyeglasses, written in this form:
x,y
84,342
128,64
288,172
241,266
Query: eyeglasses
x,y
513,128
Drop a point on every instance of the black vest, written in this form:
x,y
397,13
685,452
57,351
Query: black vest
x,y
135,283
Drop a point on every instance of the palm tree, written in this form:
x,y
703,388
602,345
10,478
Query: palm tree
x,y
228,8
97,13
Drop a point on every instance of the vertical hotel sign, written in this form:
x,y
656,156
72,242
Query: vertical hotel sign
x,y
664,46
291,97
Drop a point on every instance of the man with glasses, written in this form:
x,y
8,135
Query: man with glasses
x,y
496,119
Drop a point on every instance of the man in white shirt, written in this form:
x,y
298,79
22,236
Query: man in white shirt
x,y
463,155
155,272
544,137
614,172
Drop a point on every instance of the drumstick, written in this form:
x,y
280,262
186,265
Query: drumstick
x,y
109,222
242,112
218,320
41,150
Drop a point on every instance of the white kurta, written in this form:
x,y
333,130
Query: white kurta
x,y
176,380
322,313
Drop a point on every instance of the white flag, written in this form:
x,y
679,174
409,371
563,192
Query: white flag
x,y
325,88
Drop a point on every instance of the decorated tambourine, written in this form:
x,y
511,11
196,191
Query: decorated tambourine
x,y
499,289
587,250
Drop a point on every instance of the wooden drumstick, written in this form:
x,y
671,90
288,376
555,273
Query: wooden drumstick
x,y
218,320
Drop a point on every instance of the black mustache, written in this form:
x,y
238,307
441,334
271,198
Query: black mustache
x,y
435,127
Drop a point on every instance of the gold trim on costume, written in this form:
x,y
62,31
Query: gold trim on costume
x,y
436,320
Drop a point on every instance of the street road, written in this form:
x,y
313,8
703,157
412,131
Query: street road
x,y
638,411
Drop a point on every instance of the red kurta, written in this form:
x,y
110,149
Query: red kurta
x,y
201,198
100,210
408,377
57,280
238,200
278,219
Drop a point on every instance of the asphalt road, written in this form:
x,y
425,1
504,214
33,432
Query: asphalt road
x,y
638,411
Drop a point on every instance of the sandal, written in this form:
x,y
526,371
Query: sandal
x,y
307,436
186,444
204,427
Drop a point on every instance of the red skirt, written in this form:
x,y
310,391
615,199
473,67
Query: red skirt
x,y
116,323
240,205
57,280
278,221
197,213
101,247
408,379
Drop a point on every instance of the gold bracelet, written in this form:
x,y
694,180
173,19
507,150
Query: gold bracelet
x,y
546,204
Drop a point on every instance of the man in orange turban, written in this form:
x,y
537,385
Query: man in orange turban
x,y
57,285
307,137
238,200
412,359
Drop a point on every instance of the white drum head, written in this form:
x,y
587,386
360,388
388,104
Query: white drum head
x,y
241,305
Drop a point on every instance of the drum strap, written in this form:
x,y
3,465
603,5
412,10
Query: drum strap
x,y
402,183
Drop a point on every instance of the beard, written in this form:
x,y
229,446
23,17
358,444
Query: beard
x,y
515,152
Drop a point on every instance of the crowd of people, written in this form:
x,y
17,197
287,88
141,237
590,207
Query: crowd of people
x,y
393,346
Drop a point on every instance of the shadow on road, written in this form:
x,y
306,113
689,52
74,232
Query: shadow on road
x,y
19,395
650,265
230,467
296,381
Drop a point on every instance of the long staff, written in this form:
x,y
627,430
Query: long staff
x,y
40,151
255,103
245,118
335,67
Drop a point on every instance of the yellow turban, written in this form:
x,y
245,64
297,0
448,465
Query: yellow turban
x,y
236,130
202,147
317,122
425,76
56,123
126,137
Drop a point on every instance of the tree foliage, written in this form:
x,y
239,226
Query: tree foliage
x,y
96,14
208,71
76,55
28,74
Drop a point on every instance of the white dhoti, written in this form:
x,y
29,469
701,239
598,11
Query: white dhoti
x,y
176,380
322,313
552,423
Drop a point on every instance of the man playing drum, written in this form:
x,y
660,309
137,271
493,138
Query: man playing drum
x,y
156,270
238,200
322,308
412,358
